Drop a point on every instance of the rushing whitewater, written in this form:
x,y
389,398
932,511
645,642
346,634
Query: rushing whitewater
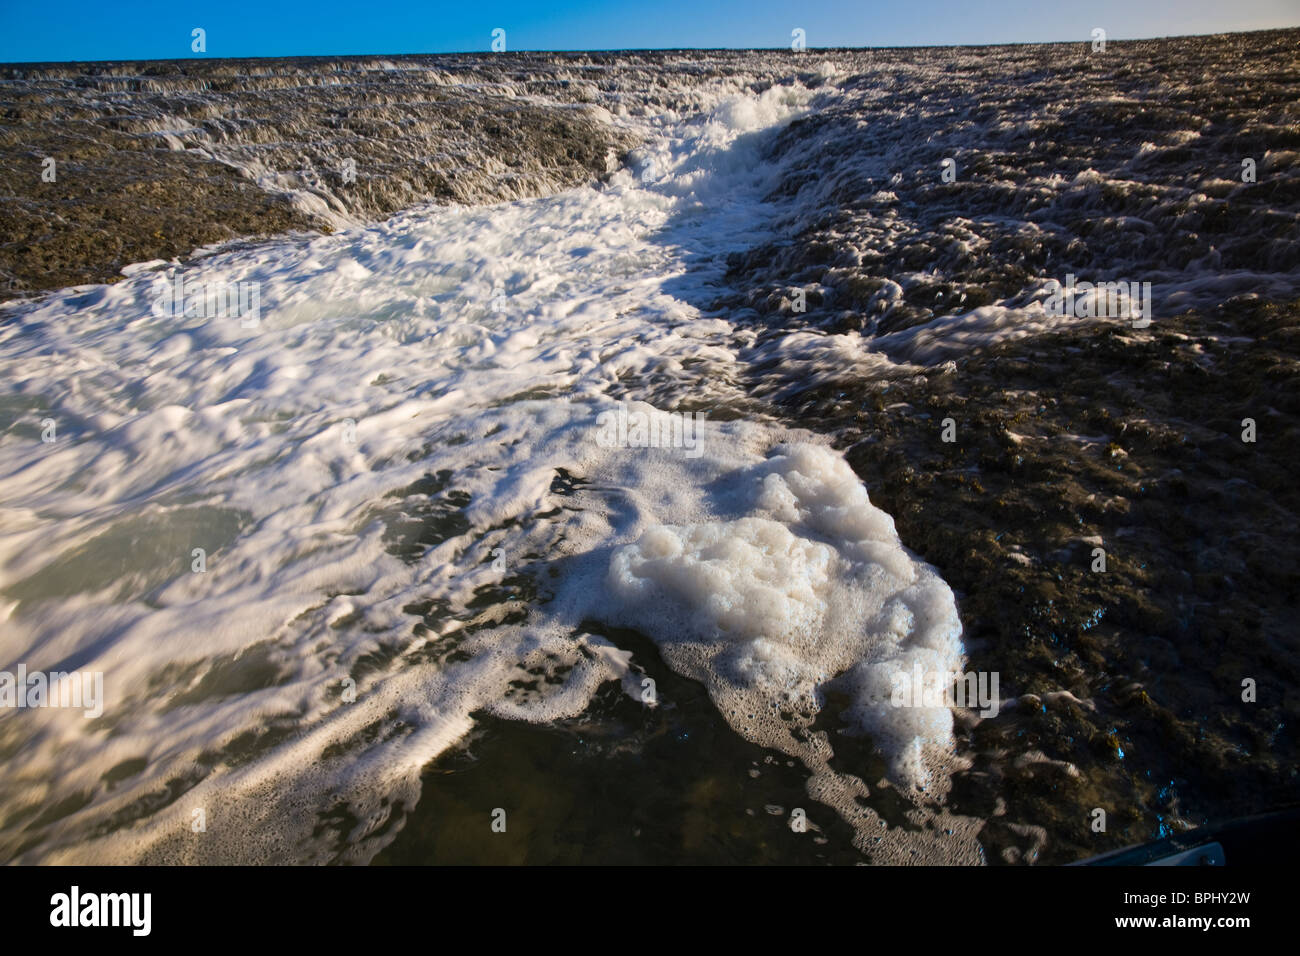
x,y
236,518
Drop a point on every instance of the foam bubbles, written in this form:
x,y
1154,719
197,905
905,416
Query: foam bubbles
x,y
810,592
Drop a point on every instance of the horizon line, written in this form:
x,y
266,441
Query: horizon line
x,y
589,50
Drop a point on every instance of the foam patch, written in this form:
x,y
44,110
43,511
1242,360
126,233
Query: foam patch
x,y
811,592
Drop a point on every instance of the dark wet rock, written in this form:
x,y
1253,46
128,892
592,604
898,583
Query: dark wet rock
x,y
1128,440
1121,165
155,159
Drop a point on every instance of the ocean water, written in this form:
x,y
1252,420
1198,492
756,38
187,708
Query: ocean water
x,y
400,473
414,419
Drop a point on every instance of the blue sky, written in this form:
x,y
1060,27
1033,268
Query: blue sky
x,y
148,29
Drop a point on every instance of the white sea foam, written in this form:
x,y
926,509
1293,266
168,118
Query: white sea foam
x,y
808,588
383,447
